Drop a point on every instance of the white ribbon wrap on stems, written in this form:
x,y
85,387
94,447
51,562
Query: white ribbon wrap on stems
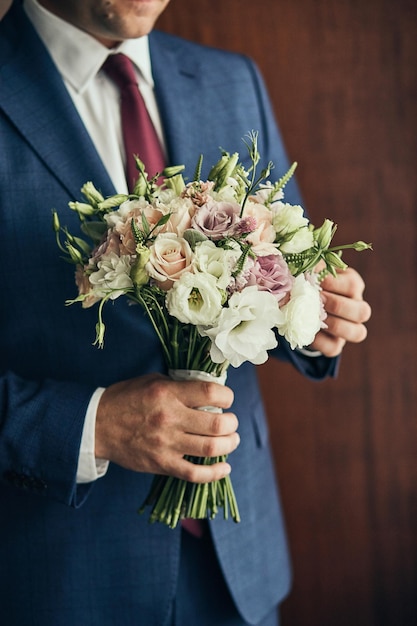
x,y
182,374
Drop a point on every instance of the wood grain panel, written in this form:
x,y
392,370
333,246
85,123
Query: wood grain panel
x,y
342,78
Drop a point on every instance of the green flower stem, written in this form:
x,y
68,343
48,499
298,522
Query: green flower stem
x,y
174,343
180,492
161,318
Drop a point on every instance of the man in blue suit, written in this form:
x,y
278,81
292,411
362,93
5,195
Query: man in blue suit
x,y
83,430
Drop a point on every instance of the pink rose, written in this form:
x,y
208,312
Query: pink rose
x,y
271,273
217,220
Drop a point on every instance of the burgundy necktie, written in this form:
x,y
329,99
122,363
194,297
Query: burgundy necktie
x,y
139,135
140,138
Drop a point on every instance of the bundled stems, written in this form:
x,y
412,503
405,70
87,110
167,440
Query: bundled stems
x,y
173,499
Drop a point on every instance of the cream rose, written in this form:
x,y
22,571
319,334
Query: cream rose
x,y
170,256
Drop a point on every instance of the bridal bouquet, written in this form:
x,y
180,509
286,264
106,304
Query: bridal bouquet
x,y
220,267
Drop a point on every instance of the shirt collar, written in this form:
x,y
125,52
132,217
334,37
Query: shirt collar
x,y
77,55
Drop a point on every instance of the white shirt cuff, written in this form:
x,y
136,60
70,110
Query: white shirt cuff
x,y
89,468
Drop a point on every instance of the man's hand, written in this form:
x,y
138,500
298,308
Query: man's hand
x,y
148,424
346,310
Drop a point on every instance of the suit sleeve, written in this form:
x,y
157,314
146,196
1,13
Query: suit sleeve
x,y
35,455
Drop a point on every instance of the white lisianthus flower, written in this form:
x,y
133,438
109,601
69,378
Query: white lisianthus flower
x,y
195,299
288,217
217,262
291,227
112,276
303,314
244,329
301,240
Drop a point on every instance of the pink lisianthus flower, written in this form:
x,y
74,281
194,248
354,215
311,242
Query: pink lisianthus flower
x,y
199,193
216,220
84,287
271,273
111,243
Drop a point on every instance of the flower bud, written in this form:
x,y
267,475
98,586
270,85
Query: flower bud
x,y
55,222
91,193
223,169
81,208
74,254
100,330
332,259
141,186
359,246
176,183
138,274
324,234
173,170
113,201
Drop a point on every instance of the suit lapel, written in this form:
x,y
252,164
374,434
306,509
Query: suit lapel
x,y
35,99
176,83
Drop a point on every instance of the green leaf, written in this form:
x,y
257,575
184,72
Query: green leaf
x,y
94,230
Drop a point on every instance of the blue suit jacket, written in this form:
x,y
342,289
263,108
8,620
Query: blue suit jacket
x,y
80,554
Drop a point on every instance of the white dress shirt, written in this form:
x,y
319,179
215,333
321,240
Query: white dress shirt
x,y
79,57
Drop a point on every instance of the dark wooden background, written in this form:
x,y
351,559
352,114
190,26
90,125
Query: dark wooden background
x,y
342,78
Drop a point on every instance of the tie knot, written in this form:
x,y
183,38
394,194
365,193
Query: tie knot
x,y
119,68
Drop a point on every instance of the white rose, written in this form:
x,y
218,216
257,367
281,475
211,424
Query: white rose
x,y
303,313
112,277
217,262
244,329
195,299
